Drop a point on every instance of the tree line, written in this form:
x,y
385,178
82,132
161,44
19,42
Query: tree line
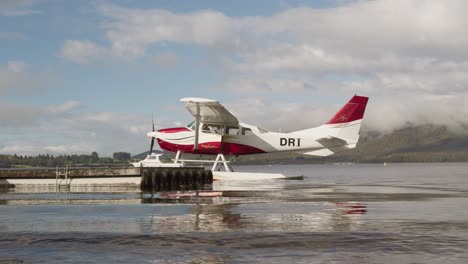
x,y
47,160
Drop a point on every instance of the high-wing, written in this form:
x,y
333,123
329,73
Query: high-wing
x,y
210,111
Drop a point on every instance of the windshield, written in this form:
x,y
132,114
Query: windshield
x,y
191,125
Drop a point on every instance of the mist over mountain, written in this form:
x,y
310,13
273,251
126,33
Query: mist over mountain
x,y
425,143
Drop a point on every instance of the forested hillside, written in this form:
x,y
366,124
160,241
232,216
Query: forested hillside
x,y
415,144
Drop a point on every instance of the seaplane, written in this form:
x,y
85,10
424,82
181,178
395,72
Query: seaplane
x,y
216,131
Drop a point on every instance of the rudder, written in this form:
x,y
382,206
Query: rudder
x,y
351,111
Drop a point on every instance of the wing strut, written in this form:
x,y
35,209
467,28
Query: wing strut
x,y
197,126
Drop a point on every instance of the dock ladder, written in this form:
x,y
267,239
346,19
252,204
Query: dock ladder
x,y
62,178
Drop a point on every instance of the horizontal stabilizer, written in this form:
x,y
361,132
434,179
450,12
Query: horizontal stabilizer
x,y
332,145
332,142
321,153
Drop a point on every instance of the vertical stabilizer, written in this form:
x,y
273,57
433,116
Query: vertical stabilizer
x,y
346,123
351,111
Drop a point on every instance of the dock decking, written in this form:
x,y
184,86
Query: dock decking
x,y
144,177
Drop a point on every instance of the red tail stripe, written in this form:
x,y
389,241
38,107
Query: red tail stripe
x,y
352,111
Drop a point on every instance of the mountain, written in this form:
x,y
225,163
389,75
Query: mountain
x,y
413,144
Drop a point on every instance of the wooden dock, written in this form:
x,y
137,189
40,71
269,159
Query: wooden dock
x,y
145,177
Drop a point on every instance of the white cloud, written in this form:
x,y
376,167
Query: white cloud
x,y
17,66
15,79
131,31
59,129
270,84
401,53
107,132
9,35
165,59
18,7
18,115
65,107
383,114
364,28
280,116
81,51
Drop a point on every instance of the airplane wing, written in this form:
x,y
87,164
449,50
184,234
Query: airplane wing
x,y
210,111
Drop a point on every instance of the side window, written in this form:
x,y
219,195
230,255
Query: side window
x,y
247,131
206,128
232,131
216,129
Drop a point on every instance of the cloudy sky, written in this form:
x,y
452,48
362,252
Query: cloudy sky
x,y
83,76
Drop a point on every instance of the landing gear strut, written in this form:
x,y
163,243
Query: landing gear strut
x,y
220,159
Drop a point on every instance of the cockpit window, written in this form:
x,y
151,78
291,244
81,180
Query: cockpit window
x,y
215,129
246,131
191,125
232,130
206,128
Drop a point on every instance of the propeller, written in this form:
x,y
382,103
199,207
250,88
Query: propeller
x,y
152,138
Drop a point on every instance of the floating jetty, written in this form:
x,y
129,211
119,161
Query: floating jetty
x,y
144,177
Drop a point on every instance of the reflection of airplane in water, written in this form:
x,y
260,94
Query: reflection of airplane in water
x,y
253,210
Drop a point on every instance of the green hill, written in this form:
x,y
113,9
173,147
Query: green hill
x,y
413,144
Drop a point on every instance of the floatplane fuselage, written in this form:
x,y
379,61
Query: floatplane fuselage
x,y
216,131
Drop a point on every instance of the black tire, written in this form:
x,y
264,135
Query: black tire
x,y
154,183
147,178
183,178
204,177
193,176
187,177
159,180
177,178
164,179
171,178
143,180
209,175
199,176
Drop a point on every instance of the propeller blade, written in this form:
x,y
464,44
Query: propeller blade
x,y
152,137
152,144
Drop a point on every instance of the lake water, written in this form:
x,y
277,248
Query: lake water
x,y
359,213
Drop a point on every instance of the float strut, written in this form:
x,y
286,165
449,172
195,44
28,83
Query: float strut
x,y
220,159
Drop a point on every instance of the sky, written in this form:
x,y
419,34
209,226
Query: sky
x,y
84,76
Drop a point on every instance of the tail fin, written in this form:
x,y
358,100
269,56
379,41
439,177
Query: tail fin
x,y
352,111
342,131
346,123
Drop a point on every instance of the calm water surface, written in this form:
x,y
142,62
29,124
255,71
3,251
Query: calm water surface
x,y
360,213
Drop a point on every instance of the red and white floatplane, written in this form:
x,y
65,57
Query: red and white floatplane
x,y
216,131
